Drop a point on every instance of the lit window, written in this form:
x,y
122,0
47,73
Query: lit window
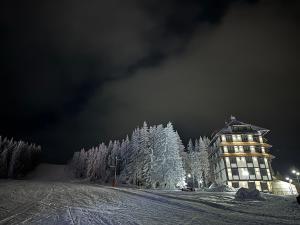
x,y
241,149
236,149
252,149
225,149
239,137
257,173
233,137
261,139
250,137
263,149
223,137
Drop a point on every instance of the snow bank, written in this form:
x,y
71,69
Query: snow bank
x,y
220,188
244,193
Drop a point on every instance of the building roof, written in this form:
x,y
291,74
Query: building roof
x,y
236,126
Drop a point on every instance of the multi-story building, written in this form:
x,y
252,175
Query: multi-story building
x,y
239,156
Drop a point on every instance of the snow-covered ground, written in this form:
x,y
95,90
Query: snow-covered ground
x,y
63,201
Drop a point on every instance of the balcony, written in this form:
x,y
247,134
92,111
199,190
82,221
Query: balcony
x,y
241,143
243,154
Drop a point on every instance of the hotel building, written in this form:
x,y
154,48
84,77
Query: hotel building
x,y
239,156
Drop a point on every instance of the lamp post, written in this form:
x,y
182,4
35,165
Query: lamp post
x,y
115,168
189,176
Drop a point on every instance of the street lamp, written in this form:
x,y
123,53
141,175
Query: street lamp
x,y
189,176
297,173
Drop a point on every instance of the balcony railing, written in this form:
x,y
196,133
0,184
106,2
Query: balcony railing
x,y
244,154
241,143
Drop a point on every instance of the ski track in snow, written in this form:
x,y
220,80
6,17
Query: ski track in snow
x,y
57,202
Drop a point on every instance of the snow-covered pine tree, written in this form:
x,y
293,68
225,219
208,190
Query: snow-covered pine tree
x,y
131,166
146,156
90,163
101,158
6,149
82,164
172,168
183,154
15,161
190,146
124,156
196,148
196,171
75,164
205,167
157,142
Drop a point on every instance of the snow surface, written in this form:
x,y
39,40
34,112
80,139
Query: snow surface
x,y
38,201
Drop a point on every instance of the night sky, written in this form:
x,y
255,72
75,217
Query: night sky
x,y
76,73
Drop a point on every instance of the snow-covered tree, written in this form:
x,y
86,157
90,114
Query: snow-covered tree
x,y
190,146
17,158
152,158
205,167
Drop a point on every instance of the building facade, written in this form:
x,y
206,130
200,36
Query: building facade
x,y
239,156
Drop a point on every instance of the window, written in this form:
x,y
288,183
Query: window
x,y
246,149
257,173
263,149
263,172
251,171
250,137
251,185
223,137
235,184
230,149
234,138
235,171
225,149
241,149
236,149
261,160
232,160
249,159
252,149
264,186
239,137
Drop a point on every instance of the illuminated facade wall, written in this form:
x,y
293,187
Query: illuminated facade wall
x,y
241,160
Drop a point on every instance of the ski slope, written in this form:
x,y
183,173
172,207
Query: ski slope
x,y
63,201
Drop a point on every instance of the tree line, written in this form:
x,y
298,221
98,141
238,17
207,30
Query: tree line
x,y
17,158
154,157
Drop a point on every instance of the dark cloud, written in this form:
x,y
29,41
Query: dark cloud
x,y
77,74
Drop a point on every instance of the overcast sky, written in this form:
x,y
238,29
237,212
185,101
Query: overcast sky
x,y
75,74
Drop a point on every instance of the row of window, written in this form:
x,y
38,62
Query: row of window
x,y
247,159
249,174
241,138
261,186
243,149
234,162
